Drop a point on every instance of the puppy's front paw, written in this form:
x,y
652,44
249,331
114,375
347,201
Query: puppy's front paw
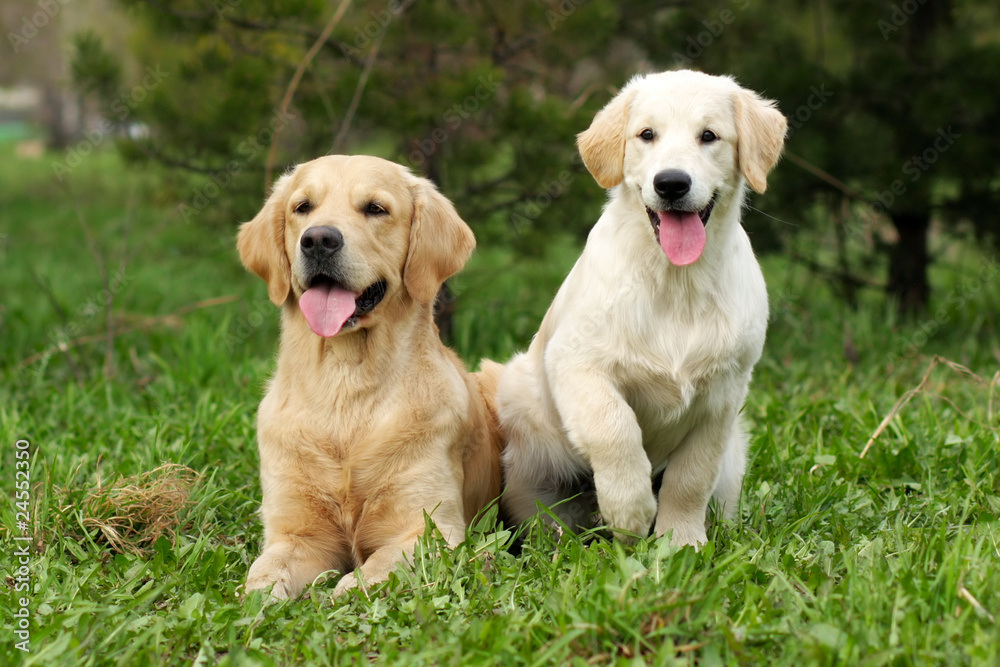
x,y
346,583
689,533
628,509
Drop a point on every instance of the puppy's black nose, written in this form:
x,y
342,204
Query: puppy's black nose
x,y
320,242
672,184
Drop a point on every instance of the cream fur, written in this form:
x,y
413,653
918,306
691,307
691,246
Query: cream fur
x,y
361,434
640,366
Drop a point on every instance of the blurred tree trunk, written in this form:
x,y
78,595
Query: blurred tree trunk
x,y
908,262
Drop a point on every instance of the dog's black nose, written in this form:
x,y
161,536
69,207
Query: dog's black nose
x,y
672,184
321,242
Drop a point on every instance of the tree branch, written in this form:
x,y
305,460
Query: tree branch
x,y
345,125
826,177
294,83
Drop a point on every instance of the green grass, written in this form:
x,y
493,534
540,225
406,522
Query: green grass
x,y
890,559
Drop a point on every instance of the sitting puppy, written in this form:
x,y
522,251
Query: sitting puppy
x,y
370,421
642,363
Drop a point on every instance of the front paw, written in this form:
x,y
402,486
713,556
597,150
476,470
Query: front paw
x,y
279,590
628,509
264,574
346,583
683,533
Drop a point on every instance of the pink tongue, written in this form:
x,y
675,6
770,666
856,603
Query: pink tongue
x,y
327,308
682,236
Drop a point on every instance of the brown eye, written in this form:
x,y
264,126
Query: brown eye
x,y
708,137
647,135
374,208
303,207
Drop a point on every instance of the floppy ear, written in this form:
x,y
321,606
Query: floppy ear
x,y
760,136
602,145
261,243
440,242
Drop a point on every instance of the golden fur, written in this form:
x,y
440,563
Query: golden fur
x,y
362,433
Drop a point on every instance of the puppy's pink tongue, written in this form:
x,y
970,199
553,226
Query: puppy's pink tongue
x,y
327,308
682,236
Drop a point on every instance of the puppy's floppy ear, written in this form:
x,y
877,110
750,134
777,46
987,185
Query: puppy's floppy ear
x,y
440,242
760,130
261,243
602,145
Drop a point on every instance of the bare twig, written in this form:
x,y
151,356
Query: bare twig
x,y
582,98
143,325
44,287
345,125
102,267
237,21
964,593
839,274
989,404
294,83
109,311
905,398
826,177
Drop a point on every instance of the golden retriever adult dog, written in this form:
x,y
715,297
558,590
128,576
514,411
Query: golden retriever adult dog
x,y
642,363
369,421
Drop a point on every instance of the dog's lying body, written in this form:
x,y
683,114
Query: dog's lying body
x,y
369,421
642,363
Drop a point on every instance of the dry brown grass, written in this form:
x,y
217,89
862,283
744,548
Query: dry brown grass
x,y
131,513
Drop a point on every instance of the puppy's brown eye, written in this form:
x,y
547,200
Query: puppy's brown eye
x,y
647,135
374,208
303,207
708,137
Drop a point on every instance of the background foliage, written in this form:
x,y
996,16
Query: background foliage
x,y
893,117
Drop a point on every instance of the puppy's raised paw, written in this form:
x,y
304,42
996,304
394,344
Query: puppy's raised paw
x,y
629,510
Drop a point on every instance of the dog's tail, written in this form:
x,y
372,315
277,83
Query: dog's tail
x,y
488,379
483,473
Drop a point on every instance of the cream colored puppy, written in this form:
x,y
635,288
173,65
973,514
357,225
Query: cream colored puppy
x,y
642,363
369,421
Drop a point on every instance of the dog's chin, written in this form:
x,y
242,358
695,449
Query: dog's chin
x,y
705,214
